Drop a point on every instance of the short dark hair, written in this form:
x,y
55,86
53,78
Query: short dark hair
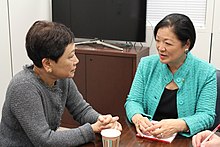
x,y
47,40
182,27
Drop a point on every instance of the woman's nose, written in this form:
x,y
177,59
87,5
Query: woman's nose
x,y
160,47
76,61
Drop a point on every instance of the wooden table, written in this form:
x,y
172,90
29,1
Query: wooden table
x,y
129,139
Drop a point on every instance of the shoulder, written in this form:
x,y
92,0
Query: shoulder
x,y
199,68
149,66
67,83
149,61
151,58
201,65
22,78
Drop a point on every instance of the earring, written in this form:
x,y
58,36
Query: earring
x,y
186,51
49,70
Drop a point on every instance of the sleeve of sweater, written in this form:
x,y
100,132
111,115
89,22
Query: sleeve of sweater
x,y
78,107
27,107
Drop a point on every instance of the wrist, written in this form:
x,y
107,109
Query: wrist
x,y
183,126
135,118
94,128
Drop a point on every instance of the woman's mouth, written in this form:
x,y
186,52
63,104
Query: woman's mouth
x,y
162,56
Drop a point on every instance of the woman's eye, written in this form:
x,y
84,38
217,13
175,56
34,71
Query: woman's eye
x,y
71,56
168,43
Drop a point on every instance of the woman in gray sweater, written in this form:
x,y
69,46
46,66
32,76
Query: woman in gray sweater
x,y
36,96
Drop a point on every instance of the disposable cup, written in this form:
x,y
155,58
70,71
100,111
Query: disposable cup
x,y
110,137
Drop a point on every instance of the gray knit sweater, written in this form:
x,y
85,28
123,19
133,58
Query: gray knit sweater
x,y
32,113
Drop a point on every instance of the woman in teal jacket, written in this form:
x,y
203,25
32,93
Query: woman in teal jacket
x,y
174,87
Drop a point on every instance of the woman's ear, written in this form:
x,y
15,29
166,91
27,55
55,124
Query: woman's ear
x,y
46,62
187,45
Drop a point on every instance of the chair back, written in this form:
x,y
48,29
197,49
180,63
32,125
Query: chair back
x,y
217,109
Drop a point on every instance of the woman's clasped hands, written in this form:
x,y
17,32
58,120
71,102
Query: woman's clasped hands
x,y
106,122
160,129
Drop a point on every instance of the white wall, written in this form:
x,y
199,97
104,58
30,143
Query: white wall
x,y
215,55
16,19
22,15
203,40
207,44
201,48
5,63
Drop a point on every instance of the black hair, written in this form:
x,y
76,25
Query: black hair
x,y
47,40
182,27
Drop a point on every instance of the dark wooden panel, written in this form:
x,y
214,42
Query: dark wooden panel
x,y
79,79
80,74
108,82
68,121
104,77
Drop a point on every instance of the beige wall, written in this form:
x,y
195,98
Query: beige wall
x,y
216,36
5,63
16,18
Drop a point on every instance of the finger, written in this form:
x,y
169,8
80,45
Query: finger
x,y
194,140
153,128
212,143
109,125
149,123
115,118
111,120
118,126
140,130
160,135
144,125
199,138
101,118
108,117
105,118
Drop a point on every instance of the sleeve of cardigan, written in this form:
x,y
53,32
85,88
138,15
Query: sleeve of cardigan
x,y
27,107
134,101
205,108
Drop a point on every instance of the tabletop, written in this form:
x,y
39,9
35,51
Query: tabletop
x,y
128,139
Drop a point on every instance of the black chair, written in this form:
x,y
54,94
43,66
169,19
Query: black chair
x,y
217,109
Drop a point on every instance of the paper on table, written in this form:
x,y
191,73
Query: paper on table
x,y
151,137
166,140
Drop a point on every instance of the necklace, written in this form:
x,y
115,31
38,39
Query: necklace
x,y
37,73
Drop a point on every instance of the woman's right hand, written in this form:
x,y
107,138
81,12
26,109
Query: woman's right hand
x,y
141,123
106,122
197,139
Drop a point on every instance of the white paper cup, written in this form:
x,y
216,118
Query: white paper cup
x,y
110,137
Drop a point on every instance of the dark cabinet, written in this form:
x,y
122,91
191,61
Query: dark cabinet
x,y
104,77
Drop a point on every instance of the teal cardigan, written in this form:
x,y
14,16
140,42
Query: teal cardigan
x,y
196,95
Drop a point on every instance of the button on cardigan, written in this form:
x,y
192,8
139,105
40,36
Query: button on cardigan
x,y
196,95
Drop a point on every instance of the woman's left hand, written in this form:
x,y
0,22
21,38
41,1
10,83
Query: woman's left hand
x,y
107,121
167,127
